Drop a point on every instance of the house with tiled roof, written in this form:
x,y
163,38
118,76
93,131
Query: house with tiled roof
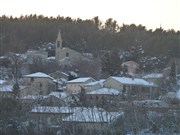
x,y
40,81
154,77
93,86
6,89
132,67
103,96
77,84
133,87
94,120
58,75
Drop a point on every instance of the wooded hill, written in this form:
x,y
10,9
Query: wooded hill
x,y
20,34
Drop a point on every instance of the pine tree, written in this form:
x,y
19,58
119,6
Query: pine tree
x,y
111,63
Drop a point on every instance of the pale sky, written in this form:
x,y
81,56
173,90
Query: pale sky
x,y
149,13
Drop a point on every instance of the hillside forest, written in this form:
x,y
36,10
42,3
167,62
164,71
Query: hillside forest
x,y
151,48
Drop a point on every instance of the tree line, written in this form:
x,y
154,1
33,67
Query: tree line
x,y
114,44
91,35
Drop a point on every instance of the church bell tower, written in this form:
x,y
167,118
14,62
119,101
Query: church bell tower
x,y
58,45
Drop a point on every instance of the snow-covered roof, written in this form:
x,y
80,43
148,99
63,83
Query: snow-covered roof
x,y
80,114
2,81
63,80
32,97
153,75
58,81
58,94
50,109
132,81
6,88
92,115
80,80
64,74
73,73
150,103
102,82
106,91
92,83
178,94
51,58
38,75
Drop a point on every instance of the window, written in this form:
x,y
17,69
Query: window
x,y
58,44
124,91
67,54
124,87
40,85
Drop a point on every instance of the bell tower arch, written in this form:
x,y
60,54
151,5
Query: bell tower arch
x,y
58,45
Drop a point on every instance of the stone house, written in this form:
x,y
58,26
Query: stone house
x,y
92,86
77,84
6,89
103,93
132,67
133,88
53,99
93,121
46,118
156,78
102,97
74,119
28,90
58,75
60,79
40,81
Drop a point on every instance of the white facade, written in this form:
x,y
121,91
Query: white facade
x,y
77,84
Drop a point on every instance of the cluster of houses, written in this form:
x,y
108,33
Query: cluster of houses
x,y
57,102
53,101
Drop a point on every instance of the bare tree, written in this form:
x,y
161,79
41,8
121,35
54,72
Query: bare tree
x,y
16,61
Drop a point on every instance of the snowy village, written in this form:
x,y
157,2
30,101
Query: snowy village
x,y
54,89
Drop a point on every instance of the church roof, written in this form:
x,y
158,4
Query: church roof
x,y
59,35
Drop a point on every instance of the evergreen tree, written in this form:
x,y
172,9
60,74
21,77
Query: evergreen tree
x,y
111,63
82,97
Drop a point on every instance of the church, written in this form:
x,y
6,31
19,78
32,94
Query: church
x,y
65,54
